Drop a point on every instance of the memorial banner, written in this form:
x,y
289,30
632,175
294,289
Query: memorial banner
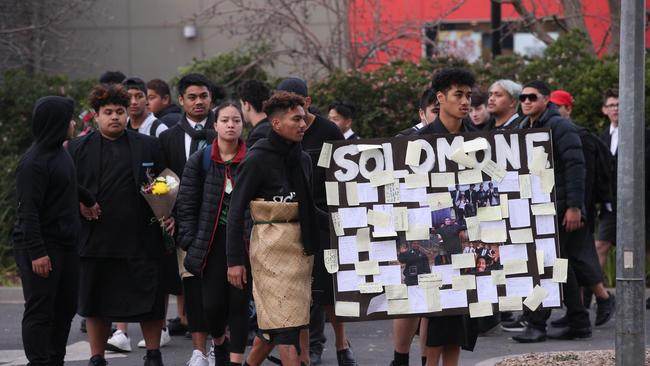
x,y
443,224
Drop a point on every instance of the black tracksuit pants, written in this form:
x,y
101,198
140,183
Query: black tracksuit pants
x,y
50,305
224,304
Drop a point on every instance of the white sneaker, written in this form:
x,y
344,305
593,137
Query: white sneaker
x,y
211,360
119,342
165,338
198,359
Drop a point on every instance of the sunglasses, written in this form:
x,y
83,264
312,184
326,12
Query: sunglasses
x,y
532,97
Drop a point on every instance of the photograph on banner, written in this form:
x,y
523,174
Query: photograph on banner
x,y
486,257
469,197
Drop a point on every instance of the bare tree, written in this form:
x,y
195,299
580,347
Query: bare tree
x,y
31,31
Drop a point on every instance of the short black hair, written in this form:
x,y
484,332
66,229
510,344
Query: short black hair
x,y
540,86
159,86
610,93
112,77
255,92
428,98
135,83
444,79
479,97
193,79
217,93
294,85
105,94
282,101
343,108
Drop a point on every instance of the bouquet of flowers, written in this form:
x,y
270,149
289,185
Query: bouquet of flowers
x,y
160,193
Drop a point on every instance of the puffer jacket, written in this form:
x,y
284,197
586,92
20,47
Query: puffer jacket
x,y
570,168
200,201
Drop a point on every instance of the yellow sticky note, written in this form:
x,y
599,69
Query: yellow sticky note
x,y
363,239
498,277
521,236
371,288
394,292
325,155
401,218
473,228
543,209
471,176
480,309
400,306
365,147
443,180
381,178
429,277
479,143
534,300
332,193
493,232
463,159
432,295
504,205
413,151
366,268
540,261
560,269
493,170
463,282
337,224
331,258
463,260
418,180
417,232
392,192
515,266
538,163
525,190
378,218
547,180
347,308
491,213
437,201
352,193
510,303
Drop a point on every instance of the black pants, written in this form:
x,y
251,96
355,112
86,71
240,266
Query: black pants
x,y
224,304
570,247
50,305
192,289
317,337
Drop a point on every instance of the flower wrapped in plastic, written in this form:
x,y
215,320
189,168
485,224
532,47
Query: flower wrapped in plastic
x,y
160,193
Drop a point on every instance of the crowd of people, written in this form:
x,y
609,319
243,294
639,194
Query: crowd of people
x,y
85,242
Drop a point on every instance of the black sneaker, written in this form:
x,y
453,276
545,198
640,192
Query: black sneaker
x,y
345,357
97,360
176,327
517,325
530,335
566,334
507,316
605,309
562,322
153,358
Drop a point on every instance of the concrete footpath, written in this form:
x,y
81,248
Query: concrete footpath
x,y
371,342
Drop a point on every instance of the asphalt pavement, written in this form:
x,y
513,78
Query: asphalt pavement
x,y
371,342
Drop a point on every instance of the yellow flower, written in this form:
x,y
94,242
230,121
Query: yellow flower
x,y
160,188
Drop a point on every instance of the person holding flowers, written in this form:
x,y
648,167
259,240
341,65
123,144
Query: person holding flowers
x,y
202,213
120,241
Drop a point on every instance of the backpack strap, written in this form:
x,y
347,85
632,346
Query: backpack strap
x,y
154,127
205,162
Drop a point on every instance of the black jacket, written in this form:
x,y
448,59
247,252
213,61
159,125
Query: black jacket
x,y
260,131
144,150
170,115
437,127
598,173
262,174
199,203
492,124
568,158
47,211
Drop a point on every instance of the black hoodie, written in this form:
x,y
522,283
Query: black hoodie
x,y
47,213
170,115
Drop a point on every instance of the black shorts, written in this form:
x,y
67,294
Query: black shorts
x,y
194,305
607,226
578,247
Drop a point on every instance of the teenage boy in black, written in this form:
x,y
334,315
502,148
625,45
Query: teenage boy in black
x,y
570,192
252,95
453,90
45,233
319,130
159,101
428,112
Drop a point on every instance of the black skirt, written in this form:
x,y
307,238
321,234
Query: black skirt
x,y
121,290
458,330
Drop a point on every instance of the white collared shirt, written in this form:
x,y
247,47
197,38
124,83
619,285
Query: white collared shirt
x,y
145,126
613,144
509,121
348,133
188,138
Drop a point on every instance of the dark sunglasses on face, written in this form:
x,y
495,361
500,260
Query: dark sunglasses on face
x,y
531,97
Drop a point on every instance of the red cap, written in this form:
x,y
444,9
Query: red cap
x,y
561,97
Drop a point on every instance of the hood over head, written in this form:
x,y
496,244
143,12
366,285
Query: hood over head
x,y
50,120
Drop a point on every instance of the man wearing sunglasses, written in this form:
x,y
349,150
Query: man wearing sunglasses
x,y
569,169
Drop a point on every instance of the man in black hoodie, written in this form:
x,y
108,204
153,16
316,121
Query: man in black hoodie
x,y
45,233
159,101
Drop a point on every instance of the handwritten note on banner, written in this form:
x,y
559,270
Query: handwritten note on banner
x,y
442,224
